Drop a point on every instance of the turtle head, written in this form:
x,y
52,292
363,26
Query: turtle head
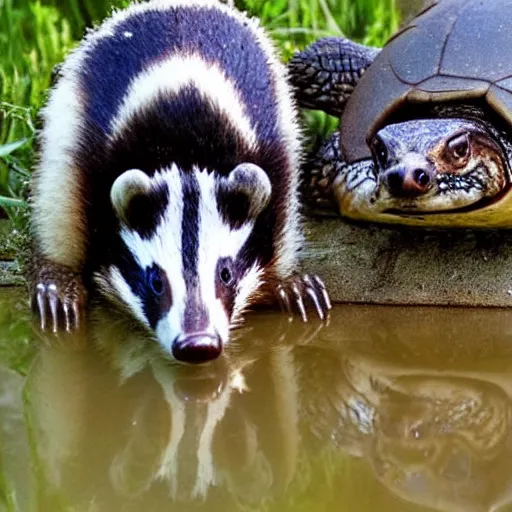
x,y
437,165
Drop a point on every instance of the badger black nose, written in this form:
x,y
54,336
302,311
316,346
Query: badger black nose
x,y
404,182
197,348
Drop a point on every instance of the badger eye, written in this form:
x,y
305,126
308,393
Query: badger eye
x,y
156,283
225,271
225,275
380,151
458,147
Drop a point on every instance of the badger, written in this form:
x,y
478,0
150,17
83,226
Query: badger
x,y
167,179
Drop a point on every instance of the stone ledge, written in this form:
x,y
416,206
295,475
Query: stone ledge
x,y
376,265
371,264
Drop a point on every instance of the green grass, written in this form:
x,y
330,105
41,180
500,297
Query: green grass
x,y
36,35
33,38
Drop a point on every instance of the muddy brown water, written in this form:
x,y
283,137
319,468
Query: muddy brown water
x,y
384,409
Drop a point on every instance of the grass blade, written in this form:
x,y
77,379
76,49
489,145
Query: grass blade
x,y
11,202
9,148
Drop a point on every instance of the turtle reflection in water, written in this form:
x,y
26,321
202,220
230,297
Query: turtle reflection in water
x,y
425,132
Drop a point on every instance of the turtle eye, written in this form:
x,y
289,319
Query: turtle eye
x,y
458,148
380,151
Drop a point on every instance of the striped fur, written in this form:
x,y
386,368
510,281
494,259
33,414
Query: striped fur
x,y
184,91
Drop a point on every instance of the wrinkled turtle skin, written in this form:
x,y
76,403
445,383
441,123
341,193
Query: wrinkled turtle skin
x,y
425,133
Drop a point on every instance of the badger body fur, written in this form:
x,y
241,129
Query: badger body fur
x,y
168,176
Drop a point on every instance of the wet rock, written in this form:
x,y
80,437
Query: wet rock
x,y
371,264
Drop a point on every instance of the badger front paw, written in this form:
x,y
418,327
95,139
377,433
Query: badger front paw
x,y
301,293
58,298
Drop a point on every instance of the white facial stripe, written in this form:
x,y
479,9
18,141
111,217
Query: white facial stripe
x,y
212,238
216,240
124,291
164,248
168,327
173,75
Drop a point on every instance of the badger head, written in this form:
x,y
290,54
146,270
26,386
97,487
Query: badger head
x,y
185,272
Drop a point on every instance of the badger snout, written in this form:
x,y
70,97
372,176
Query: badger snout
x,y
197,348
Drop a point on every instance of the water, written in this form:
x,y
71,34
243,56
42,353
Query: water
x,y
386,409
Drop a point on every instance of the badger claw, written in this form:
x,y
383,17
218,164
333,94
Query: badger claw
x,y
67,315
319,285
297,295
284,300
301,291
57,301
41,305
312,293
53,301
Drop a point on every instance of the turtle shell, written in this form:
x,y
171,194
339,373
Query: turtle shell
x,y
454,50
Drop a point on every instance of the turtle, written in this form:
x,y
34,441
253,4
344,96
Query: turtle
x,y
425,133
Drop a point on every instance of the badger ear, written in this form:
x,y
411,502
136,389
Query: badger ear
x,y
128,185
245,193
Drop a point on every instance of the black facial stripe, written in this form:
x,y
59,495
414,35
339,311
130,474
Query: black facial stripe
x,y
145,212
156,306
226,292
190,227
259,247
233,207
196,315
153,306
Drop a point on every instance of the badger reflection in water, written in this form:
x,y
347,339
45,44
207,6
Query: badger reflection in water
x,y
417,403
